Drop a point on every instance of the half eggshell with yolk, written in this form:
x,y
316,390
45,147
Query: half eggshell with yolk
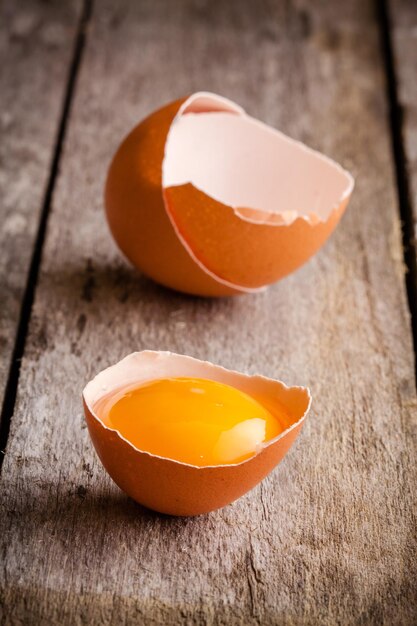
x,y
170,486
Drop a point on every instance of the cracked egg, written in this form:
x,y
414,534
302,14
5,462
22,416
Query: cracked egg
x,y
183,436
207,200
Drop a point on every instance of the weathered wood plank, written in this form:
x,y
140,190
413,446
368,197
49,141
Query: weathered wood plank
x,y
36,44
403,19
329,537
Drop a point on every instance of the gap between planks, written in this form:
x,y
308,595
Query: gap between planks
x,y
400,164
32,278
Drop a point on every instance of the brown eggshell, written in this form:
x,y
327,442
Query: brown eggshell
x,y
137,216
177,488
250,254
205,199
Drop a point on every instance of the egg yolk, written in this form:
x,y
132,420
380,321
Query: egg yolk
x,y
195,421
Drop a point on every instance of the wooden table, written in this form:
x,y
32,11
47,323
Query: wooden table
x,y
330,536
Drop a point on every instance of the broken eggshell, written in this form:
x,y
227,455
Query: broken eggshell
x,y
170,486
207,200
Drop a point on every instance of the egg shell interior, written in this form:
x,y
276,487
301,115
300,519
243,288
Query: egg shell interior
x,y
241,162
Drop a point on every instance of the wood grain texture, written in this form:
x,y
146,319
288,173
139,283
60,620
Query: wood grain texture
x,y
403,15
329,537
36,43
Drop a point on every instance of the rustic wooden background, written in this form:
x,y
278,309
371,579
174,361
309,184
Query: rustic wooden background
x,y
330,536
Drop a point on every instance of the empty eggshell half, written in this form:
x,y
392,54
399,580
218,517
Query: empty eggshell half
x,y
207,200
170,486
